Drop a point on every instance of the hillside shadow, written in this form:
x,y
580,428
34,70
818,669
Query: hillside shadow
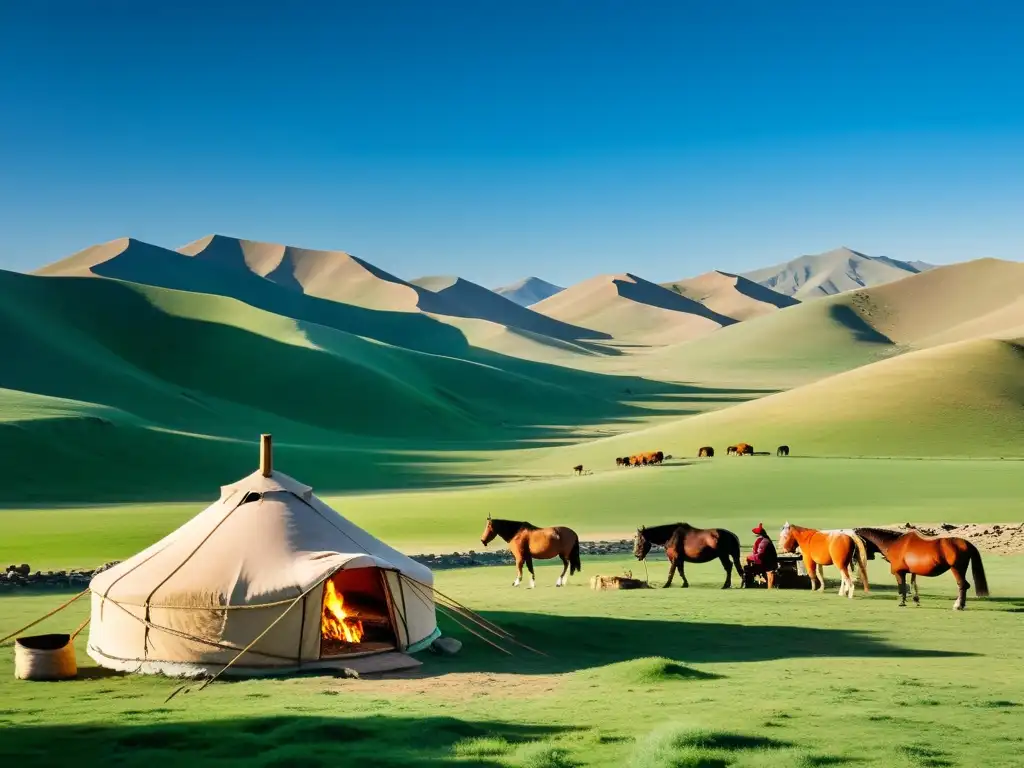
x,y
642,292
287,740
583,642
853,322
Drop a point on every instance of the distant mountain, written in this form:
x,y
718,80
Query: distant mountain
x,y
631,308
836,271
528,291
731,295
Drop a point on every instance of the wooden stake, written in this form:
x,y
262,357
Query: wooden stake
x,y
266,456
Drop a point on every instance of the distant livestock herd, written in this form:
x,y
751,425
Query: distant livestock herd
x,y
641,459
649,458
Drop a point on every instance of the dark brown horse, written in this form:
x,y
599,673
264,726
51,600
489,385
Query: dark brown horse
x,y
527,542
685,544
782,451
578,469
730,450
919,555
706,452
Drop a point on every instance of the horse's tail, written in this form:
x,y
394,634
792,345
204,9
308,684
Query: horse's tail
x,y
862,559
574,558
734,551
978,571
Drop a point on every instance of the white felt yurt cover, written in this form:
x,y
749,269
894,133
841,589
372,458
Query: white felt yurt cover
x,y
189,603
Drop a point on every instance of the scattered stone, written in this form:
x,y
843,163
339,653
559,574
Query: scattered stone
x,y
447,646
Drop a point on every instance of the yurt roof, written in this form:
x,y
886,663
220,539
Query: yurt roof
x,y
268,538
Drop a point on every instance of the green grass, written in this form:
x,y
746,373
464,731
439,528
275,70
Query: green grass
x,y
698,677
734,493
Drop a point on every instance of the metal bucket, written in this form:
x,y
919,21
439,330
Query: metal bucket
x,y
45,657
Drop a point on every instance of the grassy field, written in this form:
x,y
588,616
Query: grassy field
x,y
659,678
735,493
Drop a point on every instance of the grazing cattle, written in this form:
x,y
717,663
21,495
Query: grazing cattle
x,y
744,449
659,457
782,451
706,452
619,461
578,469
730,450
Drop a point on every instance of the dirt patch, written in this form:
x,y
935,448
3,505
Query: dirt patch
x,y
998,538
456,686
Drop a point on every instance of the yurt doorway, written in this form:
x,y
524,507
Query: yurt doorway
x,y
356,617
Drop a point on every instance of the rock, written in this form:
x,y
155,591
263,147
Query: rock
x,y
446,646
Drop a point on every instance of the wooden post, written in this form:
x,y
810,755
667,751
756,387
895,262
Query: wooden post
x,y
266,456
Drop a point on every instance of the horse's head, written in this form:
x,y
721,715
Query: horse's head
x,y
787,540
489,533
641,544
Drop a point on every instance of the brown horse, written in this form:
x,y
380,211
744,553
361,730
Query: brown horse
x,y
706,452
783,450
730,450
578,469
919,555
685,544
821,548
527,542
744,449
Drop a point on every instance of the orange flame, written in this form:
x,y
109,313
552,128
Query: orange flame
x,y
335,623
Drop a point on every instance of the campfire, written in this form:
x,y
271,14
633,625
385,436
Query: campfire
x,y
355,617
337,623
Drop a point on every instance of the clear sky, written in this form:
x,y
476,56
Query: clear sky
x,y
500,139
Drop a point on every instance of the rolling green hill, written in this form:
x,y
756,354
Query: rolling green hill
x,y
114,383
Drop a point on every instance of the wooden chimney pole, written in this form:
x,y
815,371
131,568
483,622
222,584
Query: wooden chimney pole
x,y
266,456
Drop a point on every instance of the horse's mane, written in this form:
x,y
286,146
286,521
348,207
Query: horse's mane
x,y
659,534
507,529
880,537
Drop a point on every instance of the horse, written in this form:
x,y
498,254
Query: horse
x,y
744,449
730,450
821,548
685,544
578,469
782,451
619,461
706,452
918,555
527,542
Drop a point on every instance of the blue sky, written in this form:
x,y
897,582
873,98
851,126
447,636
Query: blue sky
x,y
495,140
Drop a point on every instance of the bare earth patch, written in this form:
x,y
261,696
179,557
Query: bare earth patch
x,y
456,686
999,538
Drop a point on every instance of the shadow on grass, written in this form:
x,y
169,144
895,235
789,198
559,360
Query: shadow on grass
x,y
377,740
583,642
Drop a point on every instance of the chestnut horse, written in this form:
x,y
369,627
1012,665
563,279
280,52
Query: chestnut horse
x,y
821,548
527,541
685,544
919,555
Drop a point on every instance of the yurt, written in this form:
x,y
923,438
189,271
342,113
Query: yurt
x,y
269,568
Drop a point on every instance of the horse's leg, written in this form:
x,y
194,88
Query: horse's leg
x,y
563,579
960,574
671,574
811,567
846,582
519,569
821,576
728,570
901,587
528,559
913,583
682,574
